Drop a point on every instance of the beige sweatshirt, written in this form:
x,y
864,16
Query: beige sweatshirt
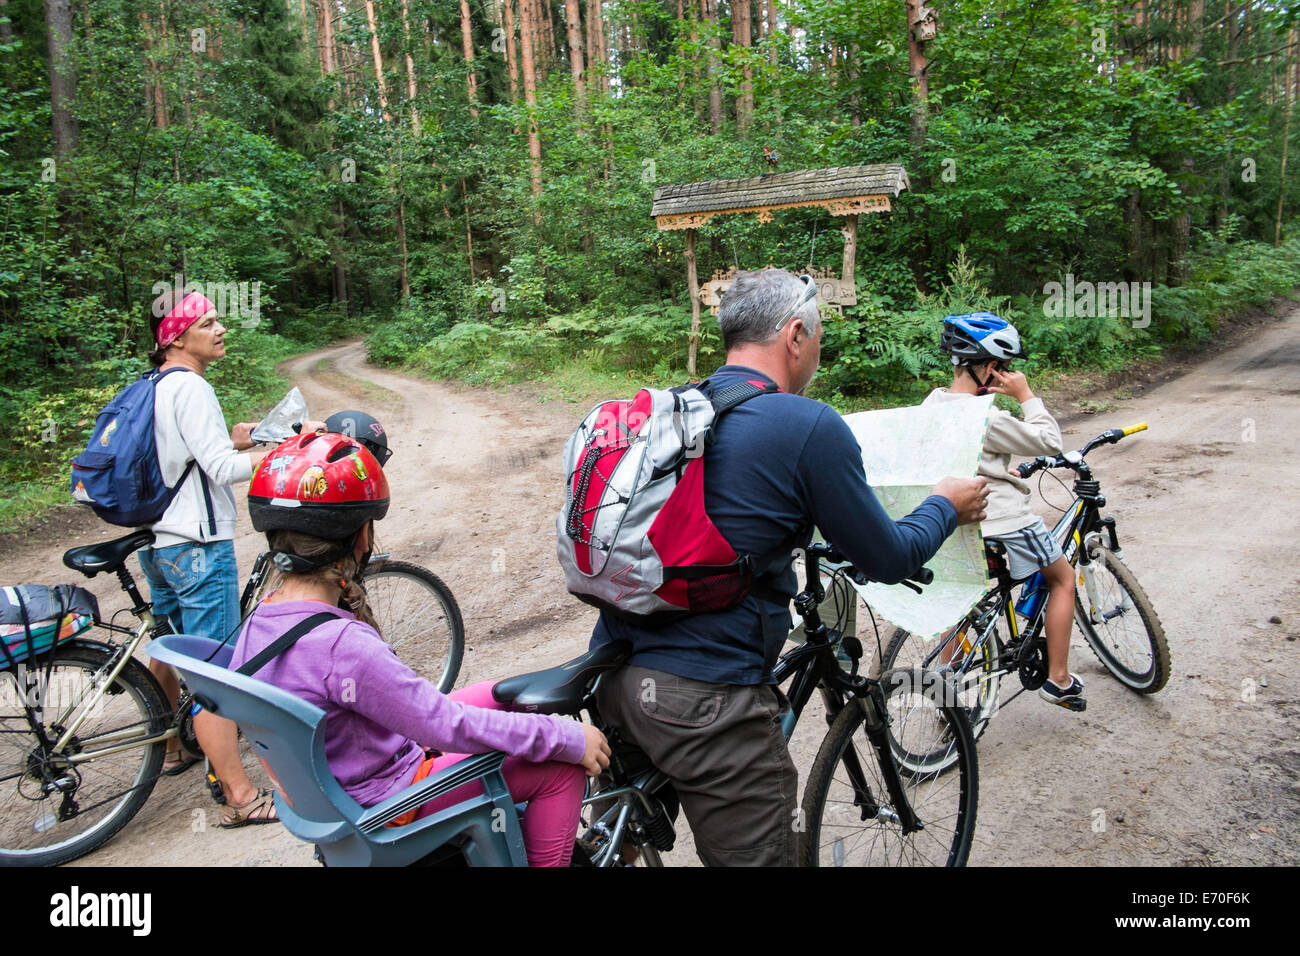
x,y
1008,437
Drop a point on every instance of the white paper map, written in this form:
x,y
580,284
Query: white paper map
x,y
905,451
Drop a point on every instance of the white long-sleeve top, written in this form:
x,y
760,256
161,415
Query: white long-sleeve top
x,y
188,424
1007,436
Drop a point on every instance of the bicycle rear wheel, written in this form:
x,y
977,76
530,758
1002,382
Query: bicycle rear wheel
x,y
846,825
1121,625
57,808
419,619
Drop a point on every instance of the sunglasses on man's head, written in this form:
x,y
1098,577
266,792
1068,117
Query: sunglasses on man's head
x,y
808,294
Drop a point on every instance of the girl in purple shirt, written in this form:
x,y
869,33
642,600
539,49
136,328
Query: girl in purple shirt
x,y
316,497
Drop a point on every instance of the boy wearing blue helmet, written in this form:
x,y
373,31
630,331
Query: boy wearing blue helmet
x,y
982,345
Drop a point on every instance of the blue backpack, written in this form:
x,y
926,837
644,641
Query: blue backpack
x,y
119,474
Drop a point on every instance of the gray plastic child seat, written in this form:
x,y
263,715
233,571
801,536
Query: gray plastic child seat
x,y
289,734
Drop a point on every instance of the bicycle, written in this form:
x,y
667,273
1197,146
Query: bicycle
x,y
860,805
1112,610
86,721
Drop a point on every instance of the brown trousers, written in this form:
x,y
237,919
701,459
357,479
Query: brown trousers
x,y
721,744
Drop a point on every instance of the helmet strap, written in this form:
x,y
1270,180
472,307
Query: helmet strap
x,y
297,564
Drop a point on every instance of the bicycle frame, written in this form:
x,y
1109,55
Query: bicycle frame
x,y
1081,523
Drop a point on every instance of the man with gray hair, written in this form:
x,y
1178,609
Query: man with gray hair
x,y
780,465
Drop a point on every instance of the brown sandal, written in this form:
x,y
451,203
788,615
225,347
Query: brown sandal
x,y
261,809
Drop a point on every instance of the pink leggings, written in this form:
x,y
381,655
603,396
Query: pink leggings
x,y
553,791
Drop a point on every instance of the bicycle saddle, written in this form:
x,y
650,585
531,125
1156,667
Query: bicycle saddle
x,y
559,690
107,555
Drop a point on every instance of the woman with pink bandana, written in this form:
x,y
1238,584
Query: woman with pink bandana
x,y
191,566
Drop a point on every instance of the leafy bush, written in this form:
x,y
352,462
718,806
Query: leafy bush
x,y
410,327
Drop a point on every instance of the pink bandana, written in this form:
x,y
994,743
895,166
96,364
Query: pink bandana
x,y
194,306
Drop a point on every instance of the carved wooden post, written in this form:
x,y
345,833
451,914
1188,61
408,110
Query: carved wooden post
x,y
850,231
692,283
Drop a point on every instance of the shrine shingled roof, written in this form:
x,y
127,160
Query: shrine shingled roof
x,y
803,187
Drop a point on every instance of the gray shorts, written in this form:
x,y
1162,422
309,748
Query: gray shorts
x,y
1029,549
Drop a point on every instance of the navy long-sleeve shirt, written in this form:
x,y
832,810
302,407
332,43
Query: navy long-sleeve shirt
x,y
781,464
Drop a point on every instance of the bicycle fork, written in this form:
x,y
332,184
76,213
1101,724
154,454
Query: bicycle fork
x,y
877,729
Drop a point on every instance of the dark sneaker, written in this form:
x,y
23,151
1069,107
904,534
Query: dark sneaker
x,y
1069,697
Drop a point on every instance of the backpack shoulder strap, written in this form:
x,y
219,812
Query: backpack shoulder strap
x,y
284,642
157,375
737,393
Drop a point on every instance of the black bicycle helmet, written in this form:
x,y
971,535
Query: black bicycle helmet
x,y
364,429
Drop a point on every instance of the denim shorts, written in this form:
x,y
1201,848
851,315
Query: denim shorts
x,y
195,586
1029,549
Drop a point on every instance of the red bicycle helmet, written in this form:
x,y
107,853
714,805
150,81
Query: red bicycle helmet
x,y
325,485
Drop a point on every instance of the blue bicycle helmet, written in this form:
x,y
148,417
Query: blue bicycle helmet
x,y
980,337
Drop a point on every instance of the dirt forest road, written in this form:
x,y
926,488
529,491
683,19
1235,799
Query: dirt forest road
x,y
1207,772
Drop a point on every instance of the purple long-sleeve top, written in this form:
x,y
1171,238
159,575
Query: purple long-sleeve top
x,y
379,714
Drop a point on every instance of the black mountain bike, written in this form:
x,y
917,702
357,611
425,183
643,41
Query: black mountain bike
x,y
1003,635
866,802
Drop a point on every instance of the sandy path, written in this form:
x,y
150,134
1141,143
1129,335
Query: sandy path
x,y
1206,509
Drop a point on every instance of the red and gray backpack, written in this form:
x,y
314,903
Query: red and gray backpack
x,y
634,538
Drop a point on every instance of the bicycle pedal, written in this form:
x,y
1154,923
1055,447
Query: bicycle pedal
x,y
1078,705
214,785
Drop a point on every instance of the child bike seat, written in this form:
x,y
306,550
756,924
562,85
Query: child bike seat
x,y
559,690
107,555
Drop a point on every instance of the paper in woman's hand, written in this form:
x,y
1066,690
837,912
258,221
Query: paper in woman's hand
x,y
278,424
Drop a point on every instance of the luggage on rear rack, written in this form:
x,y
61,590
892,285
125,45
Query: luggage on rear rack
x,y
36,617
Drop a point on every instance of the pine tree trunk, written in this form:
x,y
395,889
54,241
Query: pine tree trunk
x,y
918,71
412,90
547,27
1286,136
741,30
404,272
512,59
596,50
696,104
528,19
379,61
709,13
325,13
340,264
467,44
63,79
469,236
573,27
156,97
769,14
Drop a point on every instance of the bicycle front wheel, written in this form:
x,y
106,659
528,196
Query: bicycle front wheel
x,y
971,665
848,815
58,807
1119,623
419,619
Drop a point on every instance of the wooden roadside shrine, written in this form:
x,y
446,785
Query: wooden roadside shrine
x,y
841,190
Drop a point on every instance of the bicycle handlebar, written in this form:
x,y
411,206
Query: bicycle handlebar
x,y
1072,459
828,552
